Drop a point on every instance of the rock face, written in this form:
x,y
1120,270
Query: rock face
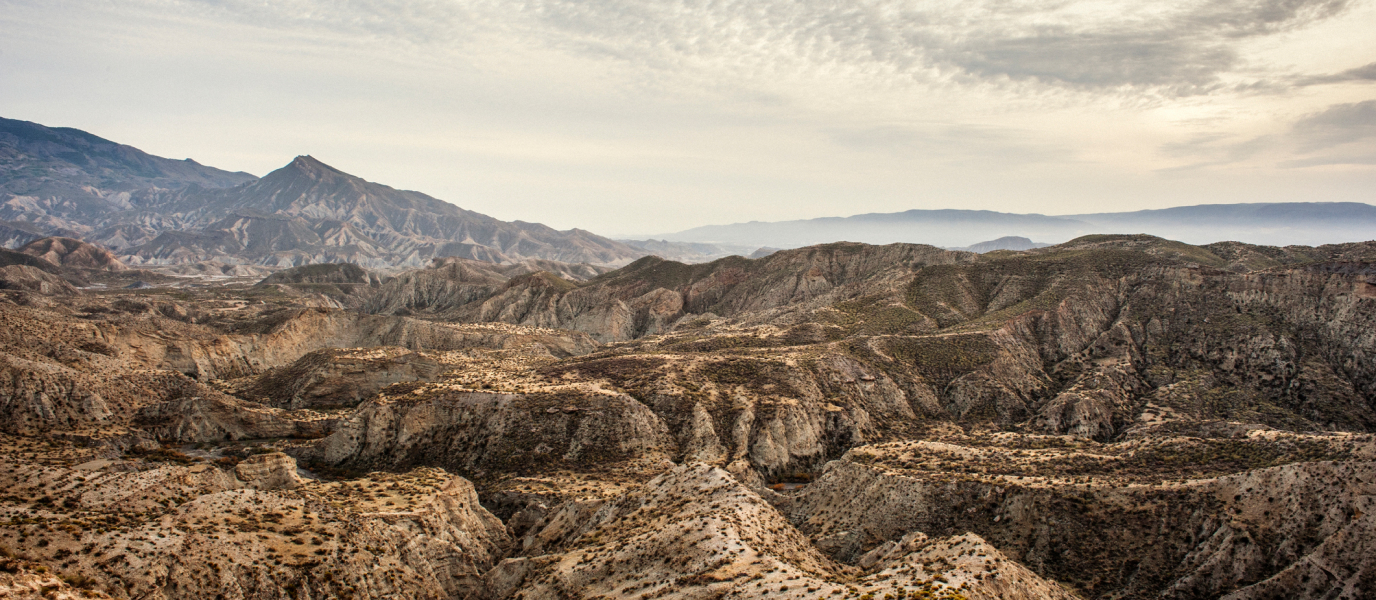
x,y
472,432
1109,338
24,272
22,579
69,374
215,417
327,273
335,378
453,283
336,285
695,532
964,563
67,252
273,471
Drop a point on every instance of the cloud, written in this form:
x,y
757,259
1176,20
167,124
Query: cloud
x,y
1363,73
1323,161
1341,134
1245,18
1176,47
1337,125
1145,59
1213,149
988,146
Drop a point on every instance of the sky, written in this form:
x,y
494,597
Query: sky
x,y
635,118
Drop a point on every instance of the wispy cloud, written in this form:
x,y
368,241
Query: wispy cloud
x,y
1363,73
1341,134
1174,47
1214,149
992,147
1338,125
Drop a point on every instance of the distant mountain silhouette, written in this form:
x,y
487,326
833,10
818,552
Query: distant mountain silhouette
x,y
934,227
1011,242
1309,223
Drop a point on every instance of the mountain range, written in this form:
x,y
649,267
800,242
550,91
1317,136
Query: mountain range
x,y
151,211
1287,223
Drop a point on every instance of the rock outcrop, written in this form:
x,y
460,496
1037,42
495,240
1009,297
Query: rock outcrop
x,y
272,471
334,378
477,433
215,417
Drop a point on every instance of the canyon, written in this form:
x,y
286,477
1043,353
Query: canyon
x,y
1113,417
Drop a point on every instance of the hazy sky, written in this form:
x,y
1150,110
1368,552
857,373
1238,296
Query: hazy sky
x,y
640,117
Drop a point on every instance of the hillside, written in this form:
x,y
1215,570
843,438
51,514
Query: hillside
x,y
63,178
67,252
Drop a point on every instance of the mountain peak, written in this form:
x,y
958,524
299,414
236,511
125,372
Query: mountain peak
x,y
309,166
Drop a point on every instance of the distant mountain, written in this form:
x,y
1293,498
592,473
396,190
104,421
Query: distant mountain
x,y
1307,223
690,252
309,212
61,178
14,234
1279,223
933,227
1010,242
150,210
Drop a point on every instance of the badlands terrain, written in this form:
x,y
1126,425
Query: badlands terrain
x,y
1113,417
